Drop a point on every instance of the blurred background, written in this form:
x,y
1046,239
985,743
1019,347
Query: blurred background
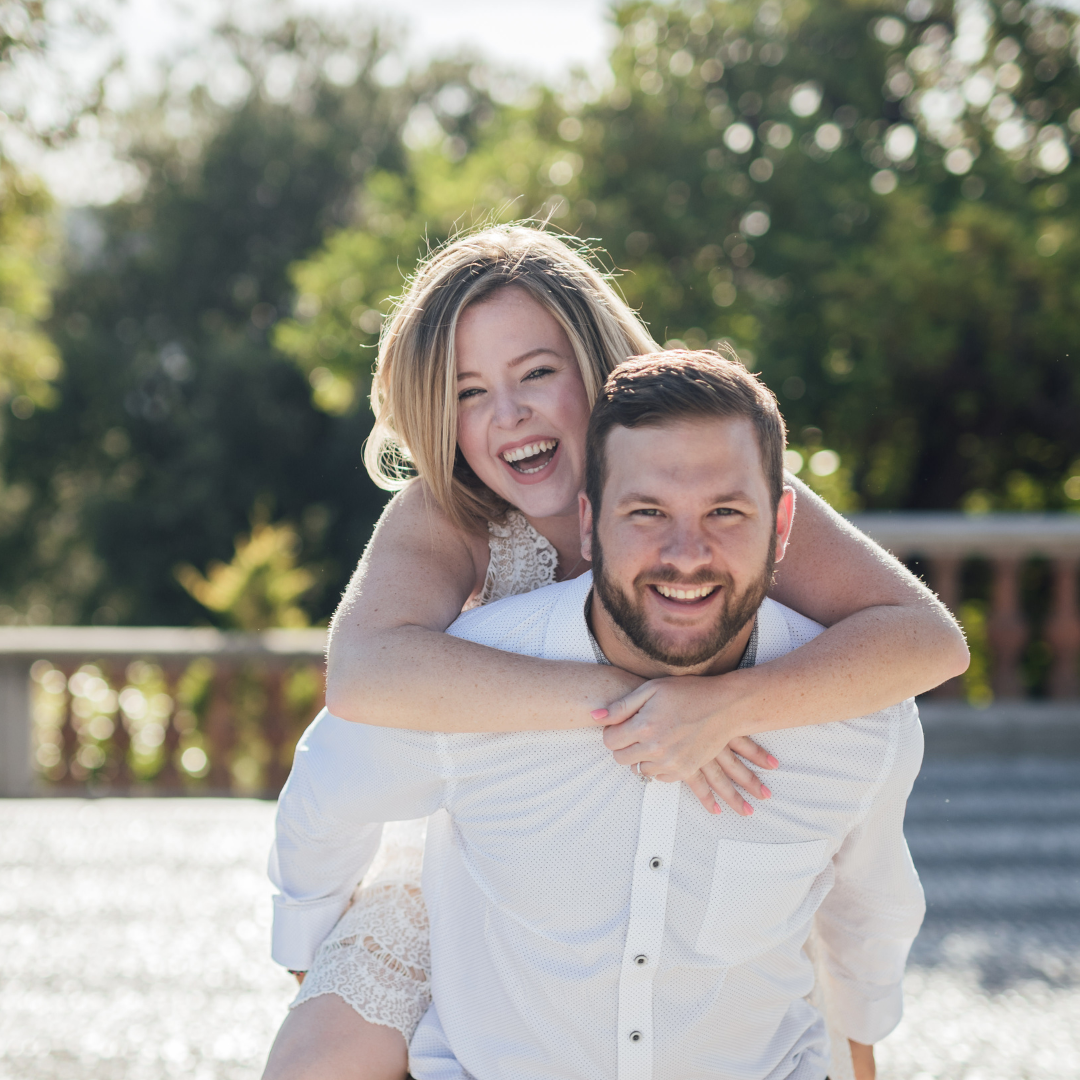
x,y
205,210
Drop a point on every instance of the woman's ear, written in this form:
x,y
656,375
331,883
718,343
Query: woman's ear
x,y
585,518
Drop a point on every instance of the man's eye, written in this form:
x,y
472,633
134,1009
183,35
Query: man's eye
x,y
725,511
647,511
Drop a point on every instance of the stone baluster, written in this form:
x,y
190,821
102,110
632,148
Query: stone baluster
x,y
945,581
1063,630
69,736
168,779
220,731
121,737
275,729
1006,628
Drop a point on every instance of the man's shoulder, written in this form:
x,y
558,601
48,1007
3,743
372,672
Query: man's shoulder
x,y
781,629
520,623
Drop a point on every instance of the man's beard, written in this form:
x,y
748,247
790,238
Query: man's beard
x,y
628,612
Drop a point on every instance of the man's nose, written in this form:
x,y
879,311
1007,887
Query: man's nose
x,y
687,548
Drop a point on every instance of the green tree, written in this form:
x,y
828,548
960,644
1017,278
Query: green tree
x,y
176,415
872,204
29,363
261,586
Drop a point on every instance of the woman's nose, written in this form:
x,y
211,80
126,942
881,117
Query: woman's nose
x,y
510,410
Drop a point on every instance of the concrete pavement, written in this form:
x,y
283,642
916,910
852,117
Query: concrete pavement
x,y
133,933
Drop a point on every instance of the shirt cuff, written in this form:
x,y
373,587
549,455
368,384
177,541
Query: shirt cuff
x,y
866,1014
300,928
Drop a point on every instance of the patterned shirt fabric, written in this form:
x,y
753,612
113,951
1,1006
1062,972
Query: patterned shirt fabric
x,y
584,923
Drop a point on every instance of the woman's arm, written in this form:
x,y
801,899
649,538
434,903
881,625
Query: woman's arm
x,y
888,638
391,665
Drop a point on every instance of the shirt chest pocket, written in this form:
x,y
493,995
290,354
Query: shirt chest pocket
x,y
759,894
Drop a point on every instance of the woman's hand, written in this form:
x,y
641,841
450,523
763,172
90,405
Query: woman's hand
x,y
686,728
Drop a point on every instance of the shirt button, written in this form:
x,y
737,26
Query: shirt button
x,y
635,1036
654,862
641,959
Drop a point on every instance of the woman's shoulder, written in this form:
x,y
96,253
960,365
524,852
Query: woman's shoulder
x,y
414,518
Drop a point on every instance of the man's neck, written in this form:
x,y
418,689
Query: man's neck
x,y
623,653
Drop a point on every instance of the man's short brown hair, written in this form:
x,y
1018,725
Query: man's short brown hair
x,y
683,385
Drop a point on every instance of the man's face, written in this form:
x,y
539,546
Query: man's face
x,y
684,545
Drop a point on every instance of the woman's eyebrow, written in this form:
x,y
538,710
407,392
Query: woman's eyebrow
x,y
517,360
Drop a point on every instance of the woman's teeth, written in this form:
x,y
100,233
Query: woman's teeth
x,y
685,594
521,458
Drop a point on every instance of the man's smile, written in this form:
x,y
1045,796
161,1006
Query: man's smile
x,y
685,598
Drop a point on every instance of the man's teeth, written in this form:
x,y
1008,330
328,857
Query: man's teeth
x,y
531,450
685,594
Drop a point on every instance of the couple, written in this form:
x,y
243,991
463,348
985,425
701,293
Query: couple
x,y
583,922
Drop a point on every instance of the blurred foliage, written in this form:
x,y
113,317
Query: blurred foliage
x,y
28,29
874,201
260,587
29,363
176,415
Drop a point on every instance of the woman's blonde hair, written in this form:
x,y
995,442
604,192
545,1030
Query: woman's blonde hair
x,y
414,390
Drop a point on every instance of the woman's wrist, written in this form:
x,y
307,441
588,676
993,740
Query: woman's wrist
x,y
737,701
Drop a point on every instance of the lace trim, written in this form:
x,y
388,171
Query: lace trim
x,y
521,560
378,957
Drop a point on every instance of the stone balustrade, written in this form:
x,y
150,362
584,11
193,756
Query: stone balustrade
x,y
163,710
205,712
1028,565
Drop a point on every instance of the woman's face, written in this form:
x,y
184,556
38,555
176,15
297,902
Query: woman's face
x,y
522,406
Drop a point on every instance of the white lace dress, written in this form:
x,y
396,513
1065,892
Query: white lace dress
x,y
378,956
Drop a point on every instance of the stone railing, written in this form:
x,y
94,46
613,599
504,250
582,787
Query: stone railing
x,y
1015,578
114,710
203,712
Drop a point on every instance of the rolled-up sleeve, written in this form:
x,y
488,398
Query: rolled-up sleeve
x,y
872,914
346,780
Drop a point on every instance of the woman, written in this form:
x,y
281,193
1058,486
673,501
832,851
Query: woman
x,y
486,375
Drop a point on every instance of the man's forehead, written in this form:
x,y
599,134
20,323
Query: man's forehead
x,y
684,450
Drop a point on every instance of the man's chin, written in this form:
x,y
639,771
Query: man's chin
x,y
683,651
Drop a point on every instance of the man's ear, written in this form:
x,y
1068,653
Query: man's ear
x,y
585,520
785,515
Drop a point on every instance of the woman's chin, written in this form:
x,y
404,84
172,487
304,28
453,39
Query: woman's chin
x,y
553,498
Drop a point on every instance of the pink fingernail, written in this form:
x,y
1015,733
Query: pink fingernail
x,y
748,808
598,714
716,808
765,792
773,763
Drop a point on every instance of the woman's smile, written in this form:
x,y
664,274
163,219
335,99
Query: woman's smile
x,y
531,461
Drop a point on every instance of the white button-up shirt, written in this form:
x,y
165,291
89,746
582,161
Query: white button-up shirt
x,y
587,924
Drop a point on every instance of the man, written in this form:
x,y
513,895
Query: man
x,y
588,923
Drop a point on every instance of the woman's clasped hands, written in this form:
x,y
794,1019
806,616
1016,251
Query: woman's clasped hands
x,y
688,728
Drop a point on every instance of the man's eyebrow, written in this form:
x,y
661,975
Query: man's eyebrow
x,y
654,500
517,360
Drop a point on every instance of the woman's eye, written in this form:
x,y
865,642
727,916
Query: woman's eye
x,y
539,373
471,392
